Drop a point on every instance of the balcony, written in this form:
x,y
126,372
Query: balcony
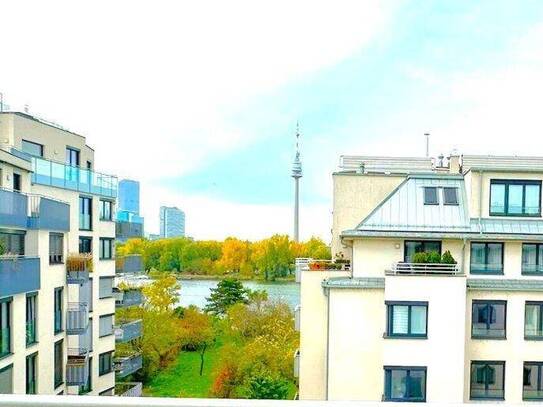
x,y
129,264
13,209
77,318
401,268
77,368
78,267
127,365
49,214
128,331
19,274
128,298
305,264
129,389
60,175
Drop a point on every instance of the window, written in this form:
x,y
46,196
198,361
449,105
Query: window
x,y
91,294
487,380
85,244
532,258
32,148
106,210
89,335
488,319
106,325
418,246
58,309
87,387
105,290
106,248
31,368
6,380
515,198
31,318
56,248
533,320
14,242
430,196
450,196
533,381
5,326
486,258
85,213
72,157
16,182
405,384
105,363
407,319
59,363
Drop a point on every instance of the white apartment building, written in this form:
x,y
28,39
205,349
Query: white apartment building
x,y
443,299
57,268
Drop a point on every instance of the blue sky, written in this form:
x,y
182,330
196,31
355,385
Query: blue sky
x,y
202,107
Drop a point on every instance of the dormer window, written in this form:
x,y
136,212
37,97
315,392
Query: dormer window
x,y
515,198
450,196
430,196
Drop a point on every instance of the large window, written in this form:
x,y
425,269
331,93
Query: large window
x,y
32,148
533,320
533,381
31,318
515,198
407,319
56,248
106,325
105,363
106,248
418,246
85,244
405,383
59,363
486,258
106,210
14,242
31,370
5,326
85,213
487,380
488,319
6,380
532,258
58,309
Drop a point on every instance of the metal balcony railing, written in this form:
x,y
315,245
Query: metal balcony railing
x,y
19,274
128,298
128,365
77,369
51,173
128,331
401,268
129,389
77,318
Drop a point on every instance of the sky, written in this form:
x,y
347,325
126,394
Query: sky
x,y
199,100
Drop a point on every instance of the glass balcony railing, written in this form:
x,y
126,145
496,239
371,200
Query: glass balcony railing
x,y
77,318
127,365
5,341
128,330
51,173
30,332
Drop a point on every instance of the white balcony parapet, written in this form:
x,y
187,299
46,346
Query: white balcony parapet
x,y
129,389
21,400
401,268
297,317
297,363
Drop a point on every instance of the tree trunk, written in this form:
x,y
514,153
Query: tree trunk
x,y
202,358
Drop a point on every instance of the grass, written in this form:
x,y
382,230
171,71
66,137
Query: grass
x,y
182,378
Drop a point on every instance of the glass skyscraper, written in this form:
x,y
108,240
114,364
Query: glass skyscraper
x,y
129,221
172,222
129,196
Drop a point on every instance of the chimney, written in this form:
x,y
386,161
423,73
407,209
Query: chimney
x,y
454,162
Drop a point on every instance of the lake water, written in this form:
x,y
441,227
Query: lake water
x,y
194,292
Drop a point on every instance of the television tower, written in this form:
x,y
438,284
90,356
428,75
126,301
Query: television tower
x,y
297,174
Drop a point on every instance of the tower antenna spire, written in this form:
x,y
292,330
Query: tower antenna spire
x,y
297,174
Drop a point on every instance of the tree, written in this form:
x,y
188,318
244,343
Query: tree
x,y
162,294
267,387
273,256
315,248
197,332
228,292
235,254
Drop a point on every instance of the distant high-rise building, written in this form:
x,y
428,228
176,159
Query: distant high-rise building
x,y
129,221
172,222
129,196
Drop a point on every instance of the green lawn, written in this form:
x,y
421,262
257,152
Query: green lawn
x,y
182,378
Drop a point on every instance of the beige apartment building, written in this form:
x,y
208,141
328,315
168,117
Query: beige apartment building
x,y
443,299
57,264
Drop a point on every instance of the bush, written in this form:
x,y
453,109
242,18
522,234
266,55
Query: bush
x,y
421,257
447,258
434,258
268,388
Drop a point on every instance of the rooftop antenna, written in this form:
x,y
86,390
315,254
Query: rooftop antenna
x,y
427,135
297,174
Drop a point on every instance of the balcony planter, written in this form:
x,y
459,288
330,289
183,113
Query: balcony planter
x,y
78,267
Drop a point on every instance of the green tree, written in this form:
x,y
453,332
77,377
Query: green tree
x,y
197,332
273,257
162,294
228,292
267,387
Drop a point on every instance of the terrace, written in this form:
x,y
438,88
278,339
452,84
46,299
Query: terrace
x,y
19,274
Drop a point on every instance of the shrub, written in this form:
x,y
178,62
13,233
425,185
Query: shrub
x,y
421,257
2,247
79,262
447,258
434,257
